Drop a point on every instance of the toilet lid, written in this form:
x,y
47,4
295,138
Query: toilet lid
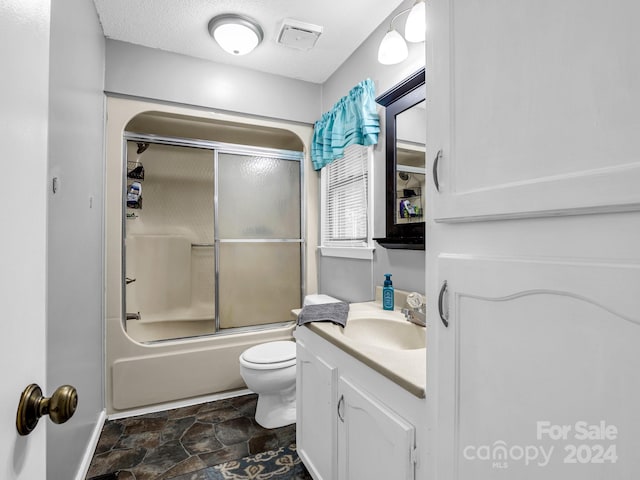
x,y
271,352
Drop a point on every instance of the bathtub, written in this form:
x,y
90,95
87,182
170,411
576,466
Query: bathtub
x,y
140,375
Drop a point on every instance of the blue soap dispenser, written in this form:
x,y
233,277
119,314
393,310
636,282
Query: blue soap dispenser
x,y
387,293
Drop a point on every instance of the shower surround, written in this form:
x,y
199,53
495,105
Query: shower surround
x,y
140,373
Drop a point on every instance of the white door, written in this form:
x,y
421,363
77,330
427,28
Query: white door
x,y
24,56
539,370
374,443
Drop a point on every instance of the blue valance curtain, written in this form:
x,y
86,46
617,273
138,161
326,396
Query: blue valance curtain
x,y
352,120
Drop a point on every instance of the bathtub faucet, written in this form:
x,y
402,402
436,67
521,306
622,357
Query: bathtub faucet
x,y
133,316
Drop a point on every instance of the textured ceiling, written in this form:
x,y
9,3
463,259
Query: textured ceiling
x,y
180,26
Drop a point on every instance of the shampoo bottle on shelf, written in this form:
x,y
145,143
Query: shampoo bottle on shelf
x,y
387,293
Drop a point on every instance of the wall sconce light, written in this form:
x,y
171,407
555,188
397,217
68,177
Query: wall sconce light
x,y
393,48
236,34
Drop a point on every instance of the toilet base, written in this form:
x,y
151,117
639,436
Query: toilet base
x,y
276,410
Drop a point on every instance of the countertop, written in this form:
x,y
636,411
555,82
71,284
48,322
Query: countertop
x,y
407,368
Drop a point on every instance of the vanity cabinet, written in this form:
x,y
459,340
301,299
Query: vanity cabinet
x,y
349,426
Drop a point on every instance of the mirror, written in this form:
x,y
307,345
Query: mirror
x,y
405,132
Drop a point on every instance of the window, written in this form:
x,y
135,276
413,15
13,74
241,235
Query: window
x,y
347,204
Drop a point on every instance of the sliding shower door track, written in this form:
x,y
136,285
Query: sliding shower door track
x,y
225,332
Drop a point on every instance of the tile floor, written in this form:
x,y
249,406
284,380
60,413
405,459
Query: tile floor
x,y
167,444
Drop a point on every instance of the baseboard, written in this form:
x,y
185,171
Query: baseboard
x,y
178,404
91,447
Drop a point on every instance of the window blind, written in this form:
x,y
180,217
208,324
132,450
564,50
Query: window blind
x,y
345,222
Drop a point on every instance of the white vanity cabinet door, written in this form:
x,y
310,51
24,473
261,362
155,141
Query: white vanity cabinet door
x,y
541,358
316,413
533,105
374,443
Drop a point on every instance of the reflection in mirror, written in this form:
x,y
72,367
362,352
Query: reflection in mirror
x,y
410,164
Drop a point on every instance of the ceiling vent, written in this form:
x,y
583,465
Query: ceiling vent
x,y
298,35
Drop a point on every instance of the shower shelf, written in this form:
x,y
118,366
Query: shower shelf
x,y
135,170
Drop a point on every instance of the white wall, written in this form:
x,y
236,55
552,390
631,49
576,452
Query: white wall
x,y
75,234
135,70
354,280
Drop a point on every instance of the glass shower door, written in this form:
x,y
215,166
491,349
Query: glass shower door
x,y
169,242
258,239
213,241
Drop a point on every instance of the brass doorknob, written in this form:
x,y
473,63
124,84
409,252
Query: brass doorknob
x,y
60,406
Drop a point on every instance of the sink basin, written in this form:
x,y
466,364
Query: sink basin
x,y
385,333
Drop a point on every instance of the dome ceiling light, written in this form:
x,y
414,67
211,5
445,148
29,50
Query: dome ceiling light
x,y
236,34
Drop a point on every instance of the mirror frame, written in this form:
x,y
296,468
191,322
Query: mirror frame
x,y
396,100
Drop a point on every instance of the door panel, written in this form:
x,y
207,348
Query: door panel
x,y
316,423
23,216
259,283
258,231
522,141
374,443
259,197
535,347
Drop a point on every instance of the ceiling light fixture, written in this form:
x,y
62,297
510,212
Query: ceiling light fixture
x,y
415,29
236,34
393,48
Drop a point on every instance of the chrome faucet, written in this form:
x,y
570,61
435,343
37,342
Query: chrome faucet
x,y
133,316
414,310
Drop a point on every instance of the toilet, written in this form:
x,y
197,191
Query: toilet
x,y
269,369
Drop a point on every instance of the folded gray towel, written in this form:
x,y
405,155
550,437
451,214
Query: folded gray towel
x,y
336,312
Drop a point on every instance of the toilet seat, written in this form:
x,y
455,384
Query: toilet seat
x,y
270,355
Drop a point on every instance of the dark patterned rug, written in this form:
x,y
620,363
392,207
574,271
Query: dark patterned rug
x,y
280,464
